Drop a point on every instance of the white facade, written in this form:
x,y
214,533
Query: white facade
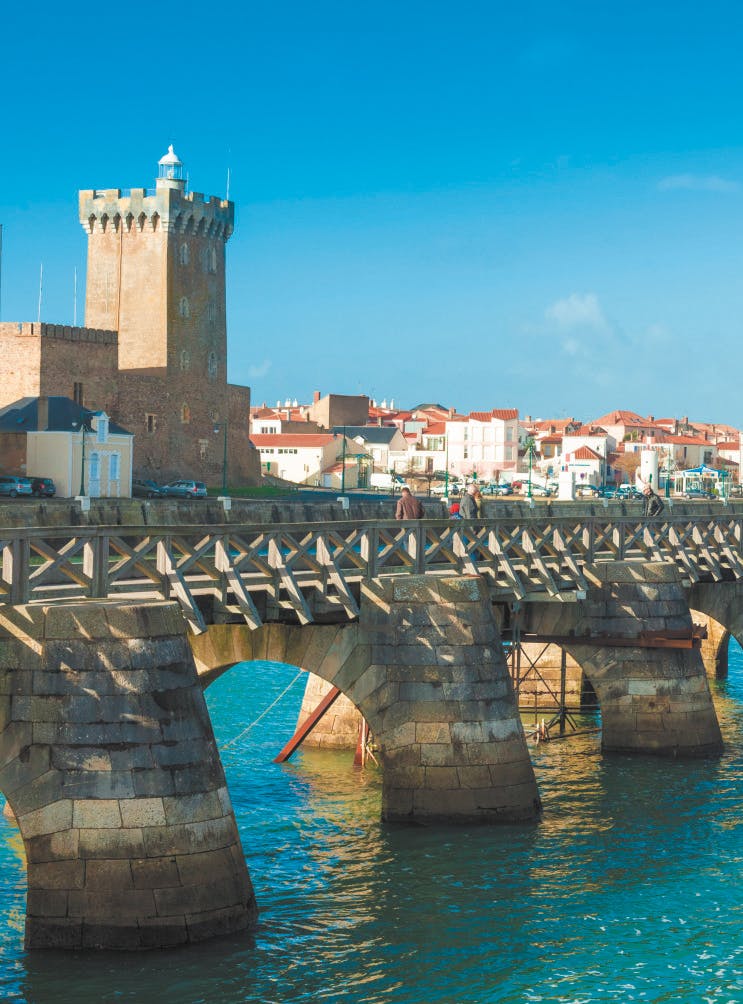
x,y
484,444
303,459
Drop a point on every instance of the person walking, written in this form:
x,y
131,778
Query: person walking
x,y
478,501
408,506
468,505
652,504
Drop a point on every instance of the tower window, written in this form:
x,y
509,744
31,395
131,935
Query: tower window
x,y
183,308
211,311
77,393
185,414
184,254
150,422
212,364
185,359
211,260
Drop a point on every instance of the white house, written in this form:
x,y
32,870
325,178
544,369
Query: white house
x,y
485,443
313,458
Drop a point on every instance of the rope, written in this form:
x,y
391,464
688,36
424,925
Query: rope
x,y
262,715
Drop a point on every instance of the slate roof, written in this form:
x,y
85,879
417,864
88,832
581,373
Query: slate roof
x,y
369,433
64,415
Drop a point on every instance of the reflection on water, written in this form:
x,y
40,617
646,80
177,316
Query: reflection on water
x,y
626,891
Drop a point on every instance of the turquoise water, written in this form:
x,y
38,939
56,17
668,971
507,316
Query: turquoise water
x,y
628,890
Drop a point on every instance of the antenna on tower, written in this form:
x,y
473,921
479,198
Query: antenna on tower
x,y
41,285
74,299
227,197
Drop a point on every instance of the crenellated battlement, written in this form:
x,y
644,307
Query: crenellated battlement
x,y
143,210
62,332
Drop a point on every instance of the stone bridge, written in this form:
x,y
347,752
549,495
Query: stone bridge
x,y
108,634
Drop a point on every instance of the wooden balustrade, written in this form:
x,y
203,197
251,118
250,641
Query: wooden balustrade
x,y
520,558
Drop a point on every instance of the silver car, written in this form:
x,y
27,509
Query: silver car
x,y
185,489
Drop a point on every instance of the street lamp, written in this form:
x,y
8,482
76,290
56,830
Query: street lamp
x,y
223,427
530,452
83,429
446,468
343,462
668,474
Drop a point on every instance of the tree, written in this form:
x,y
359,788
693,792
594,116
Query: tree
x,y
628,463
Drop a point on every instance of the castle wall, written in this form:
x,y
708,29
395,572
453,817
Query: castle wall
x,y
49,359
20,361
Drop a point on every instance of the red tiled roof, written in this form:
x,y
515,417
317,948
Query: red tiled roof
x,y
689,441
589,430
550,439
585,453
733,445
624,418
297,439
553,423
503,414
435,429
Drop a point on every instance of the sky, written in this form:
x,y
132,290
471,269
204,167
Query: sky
x,y
487,204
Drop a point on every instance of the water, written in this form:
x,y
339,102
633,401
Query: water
x,y
628,890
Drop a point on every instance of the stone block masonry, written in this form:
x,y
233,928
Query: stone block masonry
x,y
108,760
443,710
653,700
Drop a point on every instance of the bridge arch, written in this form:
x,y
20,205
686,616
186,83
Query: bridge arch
x,y
425,667
721,603
653,693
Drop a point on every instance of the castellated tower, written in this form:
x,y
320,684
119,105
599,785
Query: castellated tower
x,y
156,275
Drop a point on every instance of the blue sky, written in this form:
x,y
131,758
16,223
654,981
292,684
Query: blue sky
x,y
481,205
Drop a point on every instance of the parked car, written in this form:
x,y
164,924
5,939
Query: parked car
x,y
499,489
628,494
538,491
698,493
13,486
43,488
145,489
185,489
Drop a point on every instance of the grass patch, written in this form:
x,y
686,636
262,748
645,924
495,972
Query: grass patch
x,y
257,492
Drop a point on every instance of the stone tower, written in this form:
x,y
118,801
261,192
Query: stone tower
x,y
156,275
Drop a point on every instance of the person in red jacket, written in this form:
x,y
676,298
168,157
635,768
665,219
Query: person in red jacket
x,y
408,506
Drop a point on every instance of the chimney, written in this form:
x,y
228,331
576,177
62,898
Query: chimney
x,y
42,414
316,397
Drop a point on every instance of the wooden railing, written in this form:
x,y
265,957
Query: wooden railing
x,y
521,558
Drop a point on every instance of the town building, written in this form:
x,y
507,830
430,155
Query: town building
x,y
83,452
324,459
153,352
483,444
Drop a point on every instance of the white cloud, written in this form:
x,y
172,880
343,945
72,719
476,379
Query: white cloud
x,y
697,183
579,310
255,372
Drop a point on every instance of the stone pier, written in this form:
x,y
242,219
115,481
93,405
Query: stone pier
x,y
108,761
445,720
653,699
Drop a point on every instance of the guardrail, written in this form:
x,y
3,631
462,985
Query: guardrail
x,y
521,558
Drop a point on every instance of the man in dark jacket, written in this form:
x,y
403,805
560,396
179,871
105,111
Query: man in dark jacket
x,y
468,506
408,506
652,503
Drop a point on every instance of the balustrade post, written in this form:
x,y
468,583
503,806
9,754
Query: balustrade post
x,y
16,563
95,565
417,549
